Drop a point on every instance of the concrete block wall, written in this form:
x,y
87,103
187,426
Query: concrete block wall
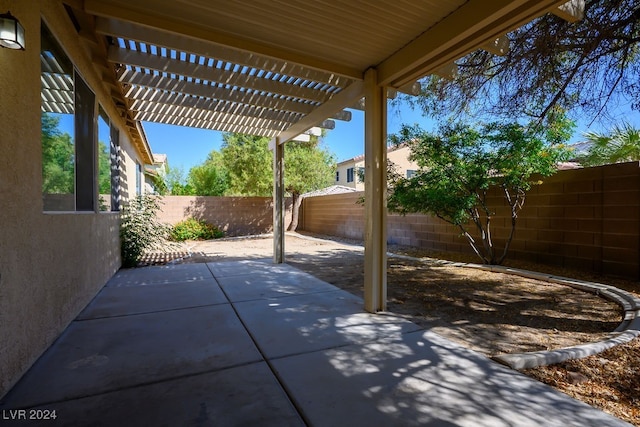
x,y
236,216
584,218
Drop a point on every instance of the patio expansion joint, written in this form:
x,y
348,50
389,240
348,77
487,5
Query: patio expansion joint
x,y
136,386
164,310
277,377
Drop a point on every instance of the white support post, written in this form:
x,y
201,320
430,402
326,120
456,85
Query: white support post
x,y
278,202
375,159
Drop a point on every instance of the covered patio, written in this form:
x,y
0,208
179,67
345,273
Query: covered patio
x,y
255,343
266,68
280,69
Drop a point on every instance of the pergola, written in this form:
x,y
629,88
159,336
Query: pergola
x,y
277,68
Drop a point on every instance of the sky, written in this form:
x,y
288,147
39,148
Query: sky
x,y
187,147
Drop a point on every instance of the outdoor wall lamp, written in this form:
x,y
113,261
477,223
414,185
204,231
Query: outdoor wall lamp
x,y
11,32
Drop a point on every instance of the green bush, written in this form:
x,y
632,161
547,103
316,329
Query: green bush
x,y
140,229
194,229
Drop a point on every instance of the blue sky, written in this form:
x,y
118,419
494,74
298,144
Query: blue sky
x,y
186,147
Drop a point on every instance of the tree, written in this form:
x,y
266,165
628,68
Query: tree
x,y
104,169
621,145
586,67
459,166
209,178
308,166
58,154
248,162
176,182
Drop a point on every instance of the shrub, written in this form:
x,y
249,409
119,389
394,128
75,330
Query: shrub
x,y
140,229
194,229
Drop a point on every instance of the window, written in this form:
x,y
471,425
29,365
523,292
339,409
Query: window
x,y
337,176
350,175
138,179
68,132
85,128
58,125
410,173
104,161
116,166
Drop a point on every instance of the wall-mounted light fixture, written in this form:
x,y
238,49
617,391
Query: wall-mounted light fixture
x,y
11,32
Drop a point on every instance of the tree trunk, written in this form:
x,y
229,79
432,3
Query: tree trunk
x,y
297,202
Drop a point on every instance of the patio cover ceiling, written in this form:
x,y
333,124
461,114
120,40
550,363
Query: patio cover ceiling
x,y
276,68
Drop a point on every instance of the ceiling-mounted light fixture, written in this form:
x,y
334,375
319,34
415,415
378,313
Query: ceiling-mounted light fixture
x,y
11,32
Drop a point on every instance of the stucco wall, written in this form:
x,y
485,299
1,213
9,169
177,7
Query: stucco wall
x,y
586,218
51,264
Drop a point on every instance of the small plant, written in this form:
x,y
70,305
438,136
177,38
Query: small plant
x,y
194,229
140,229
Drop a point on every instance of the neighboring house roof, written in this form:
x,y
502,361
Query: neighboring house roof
x,y
568,165
159,158
159,162
334,189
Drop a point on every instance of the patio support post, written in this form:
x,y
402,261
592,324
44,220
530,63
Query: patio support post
x,y
278,202
375,155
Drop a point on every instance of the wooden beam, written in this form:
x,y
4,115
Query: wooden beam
x,y
339,101
204,72
255,98
278,201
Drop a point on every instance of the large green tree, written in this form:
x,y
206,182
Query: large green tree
x,y
209,178
461,164
308,167
587,67
177,183
248,162
58,154
622,144
104,168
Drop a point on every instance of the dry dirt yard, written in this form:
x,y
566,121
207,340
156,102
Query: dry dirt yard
x,y
491,313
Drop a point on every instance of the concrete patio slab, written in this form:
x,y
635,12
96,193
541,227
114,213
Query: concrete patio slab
x,y
312,322
121,301
178,273
320,361
96,356
246,395
266,284
422,379
241,268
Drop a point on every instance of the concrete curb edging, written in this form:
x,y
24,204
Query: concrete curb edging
x,y
625,332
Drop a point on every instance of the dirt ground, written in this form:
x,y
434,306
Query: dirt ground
x,y
491,313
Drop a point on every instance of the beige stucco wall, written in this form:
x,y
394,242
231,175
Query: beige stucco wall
x,y
399,156
51,264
